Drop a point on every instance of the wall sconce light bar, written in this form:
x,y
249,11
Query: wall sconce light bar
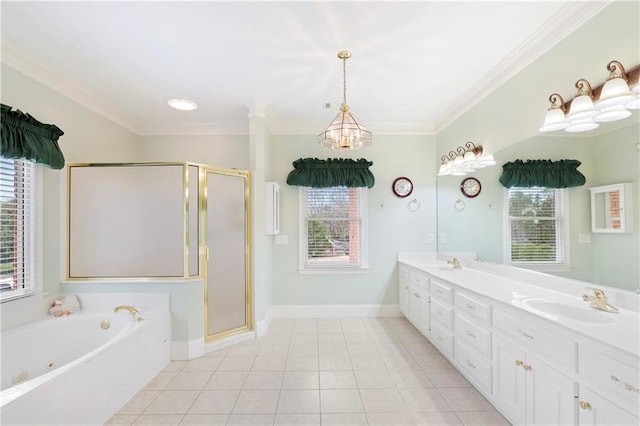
x,y
610,101
465,160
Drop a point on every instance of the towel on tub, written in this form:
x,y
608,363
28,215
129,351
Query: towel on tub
x,y
64,307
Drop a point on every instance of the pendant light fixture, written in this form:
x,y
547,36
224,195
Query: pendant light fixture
x,y
345,132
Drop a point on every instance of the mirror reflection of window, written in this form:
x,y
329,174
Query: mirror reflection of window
x,y
536,226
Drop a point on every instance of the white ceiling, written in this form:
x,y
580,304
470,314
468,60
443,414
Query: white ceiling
x,y
416,66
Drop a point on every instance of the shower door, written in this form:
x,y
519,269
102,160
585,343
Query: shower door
x,y
225,210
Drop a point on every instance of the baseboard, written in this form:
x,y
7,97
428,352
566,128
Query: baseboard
x,y
334,311
263,325
187,350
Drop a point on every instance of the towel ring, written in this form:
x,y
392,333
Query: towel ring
x,y
414,205
459,205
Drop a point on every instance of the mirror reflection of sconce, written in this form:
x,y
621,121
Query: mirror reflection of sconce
x,y
459,205
465,160
414,205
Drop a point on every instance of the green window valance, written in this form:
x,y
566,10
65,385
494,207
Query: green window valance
x,y
544,173
25,137
316,173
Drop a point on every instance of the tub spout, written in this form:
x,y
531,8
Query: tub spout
x,y
131,309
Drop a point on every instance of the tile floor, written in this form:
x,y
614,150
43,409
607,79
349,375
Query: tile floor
x,y
355,371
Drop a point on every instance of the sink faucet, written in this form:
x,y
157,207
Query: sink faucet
x,y
599,300
455,262
132,310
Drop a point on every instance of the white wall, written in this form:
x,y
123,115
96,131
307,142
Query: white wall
x,y
88,137
226,151
392,227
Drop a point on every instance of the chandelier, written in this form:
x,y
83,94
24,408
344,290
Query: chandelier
x,y
345,132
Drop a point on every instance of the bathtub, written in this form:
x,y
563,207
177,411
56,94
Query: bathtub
x,y
80,369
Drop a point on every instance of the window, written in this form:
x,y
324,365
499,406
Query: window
x,y
17,233
332,229
536,222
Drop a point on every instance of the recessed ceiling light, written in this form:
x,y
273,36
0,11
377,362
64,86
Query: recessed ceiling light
x,y
182,104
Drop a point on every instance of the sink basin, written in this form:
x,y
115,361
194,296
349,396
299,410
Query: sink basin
x,y
443,267
573,312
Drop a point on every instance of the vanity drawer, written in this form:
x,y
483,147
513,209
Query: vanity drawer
x,y
442,339
614,379
541,341
442,291
473,307
404,273
442,313
419,279
477,337
473,365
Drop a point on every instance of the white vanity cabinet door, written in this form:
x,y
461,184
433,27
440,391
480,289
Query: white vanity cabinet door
x,y
419,308
550,395
530,391
597,411
509,380
403,290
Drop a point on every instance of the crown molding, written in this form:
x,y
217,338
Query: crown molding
x,y
27,65
567,20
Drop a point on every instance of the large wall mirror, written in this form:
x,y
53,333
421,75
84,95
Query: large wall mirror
x,y
608,156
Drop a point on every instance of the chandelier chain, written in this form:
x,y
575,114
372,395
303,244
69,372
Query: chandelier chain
x,y
344,80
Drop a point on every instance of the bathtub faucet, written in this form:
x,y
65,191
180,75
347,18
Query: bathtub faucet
x,y
133,311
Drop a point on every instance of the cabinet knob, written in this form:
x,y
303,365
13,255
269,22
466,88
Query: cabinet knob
x,y
627,386
471,307
519,363
585,405
527,367
525,334
416,294
470,334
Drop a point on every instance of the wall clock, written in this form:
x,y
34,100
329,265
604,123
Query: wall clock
x,y
402,187
470,187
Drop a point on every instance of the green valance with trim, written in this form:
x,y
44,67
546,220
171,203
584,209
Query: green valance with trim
x,y
315,173
25,137
543,173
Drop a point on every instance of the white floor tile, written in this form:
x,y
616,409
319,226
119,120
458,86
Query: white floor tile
x,y
204,420
330,419
329,371
263,380
300,380
337,380
299,402
340,401
172,402
257,402
382,401
226,380
214,402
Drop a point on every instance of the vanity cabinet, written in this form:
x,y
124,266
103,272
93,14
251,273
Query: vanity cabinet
x,y
442,314
403,289
608,372
534,371
473,338
418,304
529,390
598,411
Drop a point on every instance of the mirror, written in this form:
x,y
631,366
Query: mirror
x,y
611,208
610,157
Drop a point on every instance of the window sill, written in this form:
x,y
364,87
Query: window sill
x,y
333,271
543,267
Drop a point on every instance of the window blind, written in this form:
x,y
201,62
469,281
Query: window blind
x,y
333,226
534,219
17,234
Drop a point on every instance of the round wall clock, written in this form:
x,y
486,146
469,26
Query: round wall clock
x,y
470,187
402,187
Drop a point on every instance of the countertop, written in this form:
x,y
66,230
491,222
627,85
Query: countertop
x,y
619,330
